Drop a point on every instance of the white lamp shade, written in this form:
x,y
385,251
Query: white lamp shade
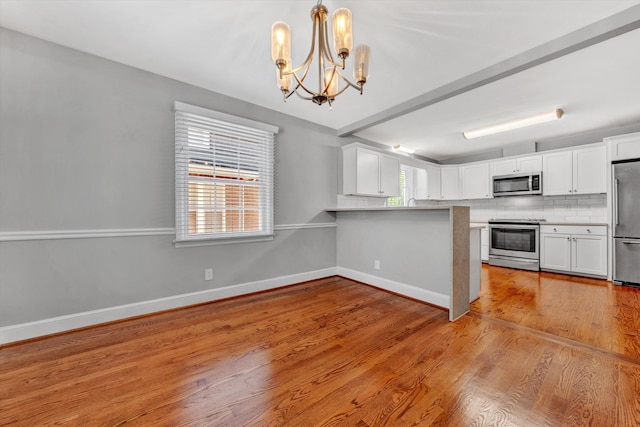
x,y
342,33
280,41
331,82
361,60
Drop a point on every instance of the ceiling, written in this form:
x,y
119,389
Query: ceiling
x,y
439,67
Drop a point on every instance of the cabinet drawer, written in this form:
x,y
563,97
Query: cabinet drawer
x,y
595,230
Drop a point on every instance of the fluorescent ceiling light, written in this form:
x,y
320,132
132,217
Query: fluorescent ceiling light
x,y
404,149
514,124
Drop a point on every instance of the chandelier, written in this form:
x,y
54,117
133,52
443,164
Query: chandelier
x,y
330,72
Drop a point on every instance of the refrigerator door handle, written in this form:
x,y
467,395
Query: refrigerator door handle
x,y
631,242
616,183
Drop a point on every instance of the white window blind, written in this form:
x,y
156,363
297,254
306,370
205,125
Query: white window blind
x,y
407,186
224,176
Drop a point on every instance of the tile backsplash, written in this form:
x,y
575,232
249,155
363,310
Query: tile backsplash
x,y
589,208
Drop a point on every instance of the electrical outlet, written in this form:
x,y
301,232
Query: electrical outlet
x,y
208,274
376,264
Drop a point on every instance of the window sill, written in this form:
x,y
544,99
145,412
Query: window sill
x,y
215,242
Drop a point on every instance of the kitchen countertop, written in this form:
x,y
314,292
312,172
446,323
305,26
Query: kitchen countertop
x,y
486,223
392,208
593,224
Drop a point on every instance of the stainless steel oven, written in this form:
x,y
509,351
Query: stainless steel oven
x,y
515,243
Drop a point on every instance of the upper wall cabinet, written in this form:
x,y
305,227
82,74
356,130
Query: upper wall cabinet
x,y
369,173
427,182
517,165
450,182
624,147
476,181
433,182
575,172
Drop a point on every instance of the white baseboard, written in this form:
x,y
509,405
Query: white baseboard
x,y
431,297
54,325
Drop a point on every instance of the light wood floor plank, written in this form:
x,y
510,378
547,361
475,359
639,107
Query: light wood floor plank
x,y
538,349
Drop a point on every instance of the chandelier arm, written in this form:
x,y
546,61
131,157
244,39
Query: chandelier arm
x,y
291,92
343,89
327,51
353,85
306,98
321,36
300,84
309,59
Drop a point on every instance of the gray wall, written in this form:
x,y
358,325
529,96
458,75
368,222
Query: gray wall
x,y
88,144
413,247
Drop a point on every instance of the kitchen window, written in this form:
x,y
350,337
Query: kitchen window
x,y
224,177
408,186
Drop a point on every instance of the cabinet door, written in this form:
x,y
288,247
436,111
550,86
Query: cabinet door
x,y
484,244
367,172
475,181
590,170
421,183
433,182
450,183
555,251
529,164
503,167
389,176
589,254
557,175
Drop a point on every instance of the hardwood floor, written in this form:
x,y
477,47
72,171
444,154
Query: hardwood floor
x,y
538,349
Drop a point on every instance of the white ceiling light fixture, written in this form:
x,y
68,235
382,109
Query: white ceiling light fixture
x,y
329,71
404,149
514,124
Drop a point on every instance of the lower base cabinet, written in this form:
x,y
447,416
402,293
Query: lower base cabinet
x,y
574,249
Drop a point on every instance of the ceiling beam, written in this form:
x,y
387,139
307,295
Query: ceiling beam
x,y
605,29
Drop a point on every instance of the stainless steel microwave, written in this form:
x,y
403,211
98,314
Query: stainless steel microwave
x,y
517,184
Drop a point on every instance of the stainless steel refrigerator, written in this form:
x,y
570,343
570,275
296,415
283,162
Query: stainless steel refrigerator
x,y
626,222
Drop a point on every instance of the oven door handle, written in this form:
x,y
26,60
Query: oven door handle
x,y
512,226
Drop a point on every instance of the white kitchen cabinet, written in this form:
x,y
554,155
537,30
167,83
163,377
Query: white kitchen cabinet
x,y
590,170
624,146
516,165
421,190
450,182
433,182
369,173
574,249
389,176
484,244
555,251
475,181
580,171
557,173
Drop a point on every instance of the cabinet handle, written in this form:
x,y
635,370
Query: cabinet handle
x,y
588,230
629,242
555,229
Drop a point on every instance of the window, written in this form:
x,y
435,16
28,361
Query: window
x,y
224,176
408,185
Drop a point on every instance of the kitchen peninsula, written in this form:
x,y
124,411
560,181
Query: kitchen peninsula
x,y
419,252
